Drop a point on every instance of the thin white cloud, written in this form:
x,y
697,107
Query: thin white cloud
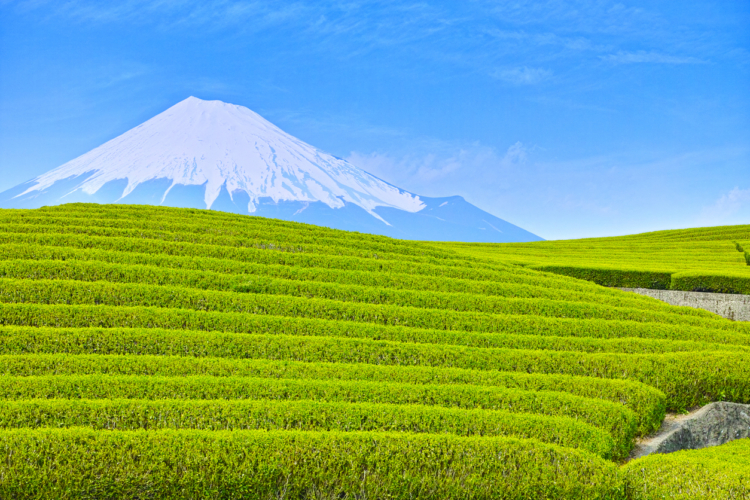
x,y
643,56
174,13
410,171
527,39
515,156
522,75
446,167
725,208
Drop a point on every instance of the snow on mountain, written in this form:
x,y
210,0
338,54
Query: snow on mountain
x,y
198,142
210,154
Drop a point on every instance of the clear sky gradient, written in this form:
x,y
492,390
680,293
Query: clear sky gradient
x,y
567,118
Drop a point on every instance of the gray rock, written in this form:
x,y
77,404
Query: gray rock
x,y
712,425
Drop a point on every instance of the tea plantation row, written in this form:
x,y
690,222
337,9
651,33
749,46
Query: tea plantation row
x,y
715,259
151,352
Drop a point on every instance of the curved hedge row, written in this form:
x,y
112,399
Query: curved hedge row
x,y
688,378
646,402
712,473
185,353
201,342
707,281
353,292
127,294
285,241
134,414
565,329
250,254
613,418
74,463
18,261
235,231
612,276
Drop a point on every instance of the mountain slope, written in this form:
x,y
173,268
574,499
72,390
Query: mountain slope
x,y
210,154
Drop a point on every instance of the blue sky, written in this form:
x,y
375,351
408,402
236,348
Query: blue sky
x,y
568,118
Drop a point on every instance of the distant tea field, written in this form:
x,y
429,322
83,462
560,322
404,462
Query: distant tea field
x,y
153,352
710,259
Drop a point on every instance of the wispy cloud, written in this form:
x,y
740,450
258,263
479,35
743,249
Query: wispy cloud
x,y
643,56
524,38
444,167
724,209
170,14
522,75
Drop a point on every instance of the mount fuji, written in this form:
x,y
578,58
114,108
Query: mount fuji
x,y
219,156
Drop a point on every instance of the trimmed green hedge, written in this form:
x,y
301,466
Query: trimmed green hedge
x,y
363,289
616,419
268,233
707,281
716,473
690,378
341,350
250,254
124,294
612,276
287,240
80,463
647,402
204,352
14,340
133,414
215,274
62,316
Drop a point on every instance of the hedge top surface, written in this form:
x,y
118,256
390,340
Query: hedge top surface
x,y
699,259
131,322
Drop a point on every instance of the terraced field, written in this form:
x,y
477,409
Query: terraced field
x,y
151,352
715,259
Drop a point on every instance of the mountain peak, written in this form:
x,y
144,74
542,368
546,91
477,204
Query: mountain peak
x,y
221,156
215,144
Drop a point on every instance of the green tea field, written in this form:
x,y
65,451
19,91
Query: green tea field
x,y
715,259
153,352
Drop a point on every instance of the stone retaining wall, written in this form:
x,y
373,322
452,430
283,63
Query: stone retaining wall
x,y
731,306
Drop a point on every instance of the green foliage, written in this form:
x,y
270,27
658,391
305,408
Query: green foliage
x,y
689,378
648,260
711,473
402,289
646,402
117,294
345,270
529,330
134,414
613,418
152,352
253,254
278,240
707,281
76,463
612,276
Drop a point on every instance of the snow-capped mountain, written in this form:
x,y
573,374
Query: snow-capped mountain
x,y
210,154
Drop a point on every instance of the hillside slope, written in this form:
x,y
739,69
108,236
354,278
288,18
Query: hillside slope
x,y
153,352
713,259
